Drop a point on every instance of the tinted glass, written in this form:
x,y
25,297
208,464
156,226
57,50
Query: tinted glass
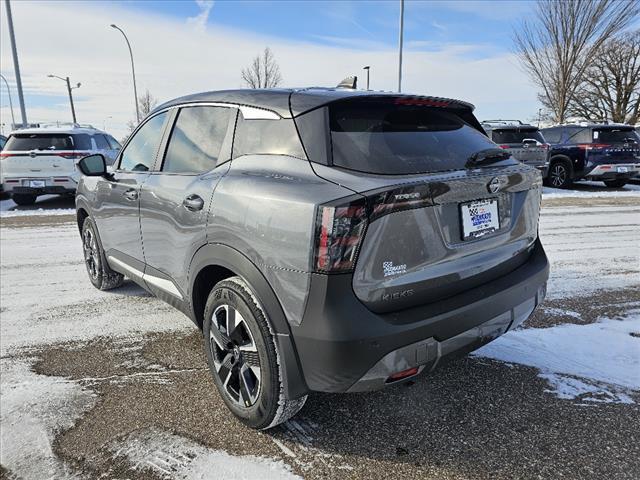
x,y
610,135
48,141
516,136
401,139
115,145
140,153
552,135
2,142
101,142
580,135
196,139
275,137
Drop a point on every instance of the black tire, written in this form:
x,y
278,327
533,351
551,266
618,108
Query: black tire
x,y
101,276
560,174
239,344
23,199
618,183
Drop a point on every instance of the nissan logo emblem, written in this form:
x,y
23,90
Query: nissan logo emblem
x,y
497,183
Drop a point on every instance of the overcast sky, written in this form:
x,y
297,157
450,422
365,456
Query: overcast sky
x,y
454,49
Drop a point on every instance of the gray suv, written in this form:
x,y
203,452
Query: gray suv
x,y
326,240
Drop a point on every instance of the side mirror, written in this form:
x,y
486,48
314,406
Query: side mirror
x,y
93,165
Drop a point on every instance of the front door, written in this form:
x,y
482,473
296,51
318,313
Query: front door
x,y
117,210
174,200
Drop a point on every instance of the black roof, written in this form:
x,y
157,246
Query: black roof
x,y
288,102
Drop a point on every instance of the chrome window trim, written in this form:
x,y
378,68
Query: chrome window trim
x,y
249,113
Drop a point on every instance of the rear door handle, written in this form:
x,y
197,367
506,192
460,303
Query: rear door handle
x,y
193,203
131,194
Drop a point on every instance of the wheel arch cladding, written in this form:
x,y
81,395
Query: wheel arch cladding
x,y
81,216
563,159
215,262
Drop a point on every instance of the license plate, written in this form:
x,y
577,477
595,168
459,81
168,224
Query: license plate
x,y
37,183
479,218
623,169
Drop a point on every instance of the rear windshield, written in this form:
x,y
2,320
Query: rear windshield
x,y
48,141
401,139
610,135
516,136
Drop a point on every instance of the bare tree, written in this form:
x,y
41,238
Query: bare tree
x,y
146,103
555,46
611,86
263,72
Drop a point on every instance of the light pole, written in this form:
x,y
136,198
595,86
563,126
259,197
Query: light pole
x,y
400,46
133,70
16,64
13,118
69,88
367,68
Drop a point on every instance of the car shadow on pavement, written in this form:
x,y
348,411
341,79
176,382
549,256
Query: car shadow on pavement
x,y
46,202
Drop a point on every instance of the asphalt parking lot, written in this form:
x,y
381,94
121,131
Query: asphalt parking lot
x,y
114,384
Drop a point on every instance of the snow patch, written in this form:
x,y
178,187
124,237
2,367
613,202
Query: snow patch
x,y
599,362
175,457
33,409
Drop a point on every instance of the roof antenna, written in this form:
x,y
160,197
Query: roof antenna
x,y
349,82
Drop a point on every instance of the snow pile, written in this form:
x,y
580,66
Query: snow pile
x,y
175,457
599,362
590,190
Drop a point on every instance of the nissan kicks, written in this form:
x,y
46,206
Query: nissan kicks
x,y
327,240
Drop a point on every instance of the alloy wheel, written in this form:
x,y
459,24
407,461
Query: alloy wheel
x,y
91,253
558,175
235,356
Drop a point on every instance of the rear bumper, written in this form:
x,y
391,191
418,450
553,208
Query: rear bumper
x,y
343,346
52,185
611,171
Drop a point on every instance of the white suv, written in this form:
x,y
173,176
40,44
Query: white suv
x,y
41,161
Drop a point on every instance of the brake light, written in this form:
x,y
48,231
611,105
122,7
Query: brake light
x,y
339,230
423,102
505,146
73,155
5,155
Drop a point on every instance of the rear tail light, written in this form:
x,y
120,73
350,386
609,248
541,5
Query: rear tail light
x,y
546,146
593,146
5,155
340,226
339,230
73,155
505,146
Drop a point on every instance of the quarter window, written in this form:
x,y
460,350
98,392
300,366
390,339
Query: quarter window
x,y
140,153
101,142
197,139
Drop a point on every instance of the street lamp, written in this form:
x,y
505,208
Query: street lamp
x,y
13,118
367,69
400,41
133,70
69,88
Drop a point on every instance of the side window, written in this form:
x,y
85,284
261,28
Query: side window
x,y
197,139
582,135
140,153
552,135
270,137
101,142
113,143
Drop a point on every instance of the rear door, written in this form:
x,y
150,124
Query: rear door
x,y
174,199
117,206
436,227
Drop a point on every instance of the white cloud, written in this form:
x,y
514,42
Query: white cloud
x,y
200,20
173,59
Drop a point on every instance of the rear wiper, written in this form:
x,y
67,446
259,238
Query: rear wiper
x,y
486,157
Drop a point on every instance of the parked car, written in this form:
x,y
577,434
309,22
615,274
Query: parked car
x,y
592,151
523,141
3,140
327,240
39,161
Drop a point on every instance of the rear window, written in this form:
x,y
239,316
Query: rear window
x,y
516,136
48,141
401,139
610,135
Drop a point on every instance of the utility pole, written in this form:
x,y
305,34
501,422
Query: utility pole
x,y
16,65
13,118
69,88
400,46
367,68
